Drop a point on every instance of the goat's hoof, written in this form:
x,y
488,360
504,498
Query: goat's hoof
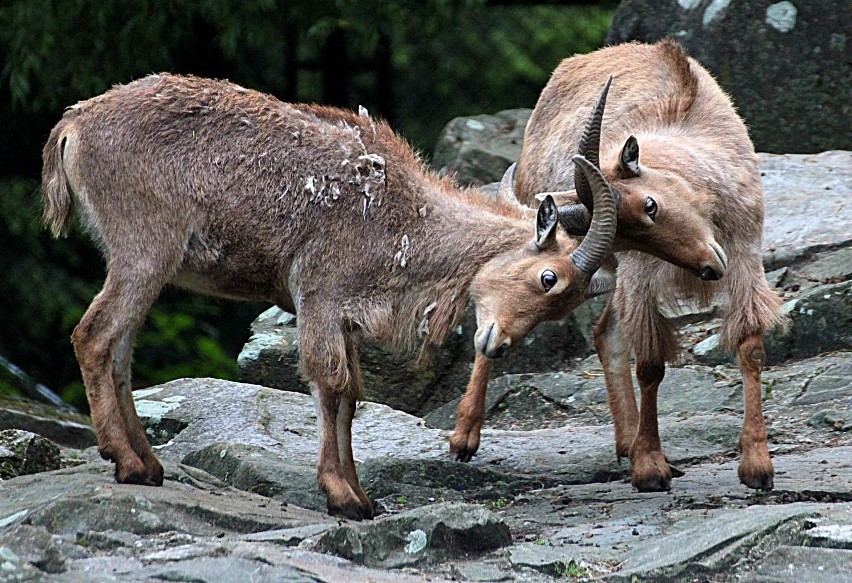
x,y
651,473
154,472
464,445
353,510
757,474
129,469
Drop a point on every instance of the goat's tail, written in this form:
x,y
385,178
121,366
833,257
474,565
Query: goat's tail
x,y
55,190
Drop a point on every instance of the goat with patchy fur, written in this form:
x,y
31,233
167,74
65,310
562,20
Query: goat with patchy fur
x,y
330,215
692,204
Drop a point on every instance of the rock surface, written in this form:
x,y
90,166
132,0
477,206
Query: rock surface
x,y
271,358
785,64
480,147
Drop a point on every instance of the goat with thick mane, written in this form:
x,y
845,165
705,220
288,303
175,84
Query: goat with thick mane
x,y
329,214
690,225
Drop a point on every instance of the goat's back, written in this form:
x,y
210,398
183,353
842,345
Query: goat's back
x,y
656,89
247,181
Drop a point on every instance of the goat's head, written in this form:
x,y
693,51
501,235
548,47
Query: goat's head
x,y
659,211
549,276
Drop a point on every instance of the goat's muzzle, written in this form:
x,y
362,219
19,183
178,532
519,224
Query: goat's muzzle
x,y
488,341
715,271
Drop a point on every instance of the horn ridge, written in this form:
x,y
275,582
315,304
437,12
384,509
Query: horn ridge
x,y
589,147
597,244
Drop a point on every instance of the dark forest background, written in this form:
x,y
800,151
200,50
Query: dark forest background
x,y
416,63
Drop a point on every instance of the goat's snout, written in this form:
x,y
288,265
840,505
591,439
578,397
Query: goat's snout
x,y
718,265
489,341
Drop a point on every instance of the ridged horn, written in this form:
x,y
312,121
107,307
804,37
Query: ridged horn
x,y
575,219
597,244
589,148
507,185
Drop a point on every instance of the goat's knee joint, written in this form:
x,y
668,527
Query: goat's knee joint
x,y
650,373
757,356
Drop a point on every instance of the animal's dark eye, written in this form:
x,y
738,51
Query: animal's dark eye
x,y
548,279
650,207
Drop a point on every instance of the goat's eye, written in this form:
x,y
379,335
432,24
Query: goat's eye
x,y
650,207
548,279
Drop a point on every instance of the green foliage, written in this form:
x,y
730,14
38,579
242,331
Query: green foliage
x,y
447,58
570,569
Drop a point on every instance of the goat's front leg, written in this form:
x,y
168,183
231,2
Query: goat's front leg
x,y
614,354
650,469
755,469
324,361
345,414
470,414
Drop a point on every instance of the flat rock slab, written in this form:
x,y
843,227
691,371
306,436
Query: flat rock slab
x,y
62,427
789,564
86,498
427,534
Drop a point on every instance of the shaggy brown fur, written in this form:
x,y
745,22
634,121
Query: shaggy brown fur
x,y
329,214
698,164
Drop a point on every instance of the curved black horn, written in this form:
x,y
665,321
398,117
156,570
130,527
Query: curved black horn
x,y
598,242
575,219
589,148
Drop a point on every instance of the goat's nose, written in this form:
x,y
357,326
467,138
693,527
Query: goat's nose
x,y
710,274
501,350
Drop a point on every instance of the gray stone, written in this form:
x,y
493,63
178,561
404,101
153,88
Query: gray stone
x,y
85,498
785,64
788,564
288,537
837,420
806,205
669,555
261,471
477,150
271,358
35,545
63,427
22,452
429,533
820,322
482,571
554,561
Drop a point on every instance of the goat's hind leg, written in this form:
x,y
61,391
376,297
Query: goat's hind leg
x,y
614,354
121,375
755,470
100,339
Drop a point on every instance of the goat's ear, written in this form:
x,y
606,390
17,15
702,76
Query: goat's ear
x,y
602,282
628,161
545,222
562,197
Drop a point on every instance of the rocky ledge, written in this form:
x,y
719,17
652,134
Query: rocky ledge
x,y
546,499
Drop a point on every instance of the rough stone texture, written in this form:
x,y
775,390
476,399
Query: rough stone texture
x,y
821,321
430,533
788,564
271,359
807,206
68,429
478,148
22,452
785,64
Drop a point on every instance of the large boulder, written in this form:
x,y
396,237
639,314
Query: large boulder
x,y
785,64
271,358
476,149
